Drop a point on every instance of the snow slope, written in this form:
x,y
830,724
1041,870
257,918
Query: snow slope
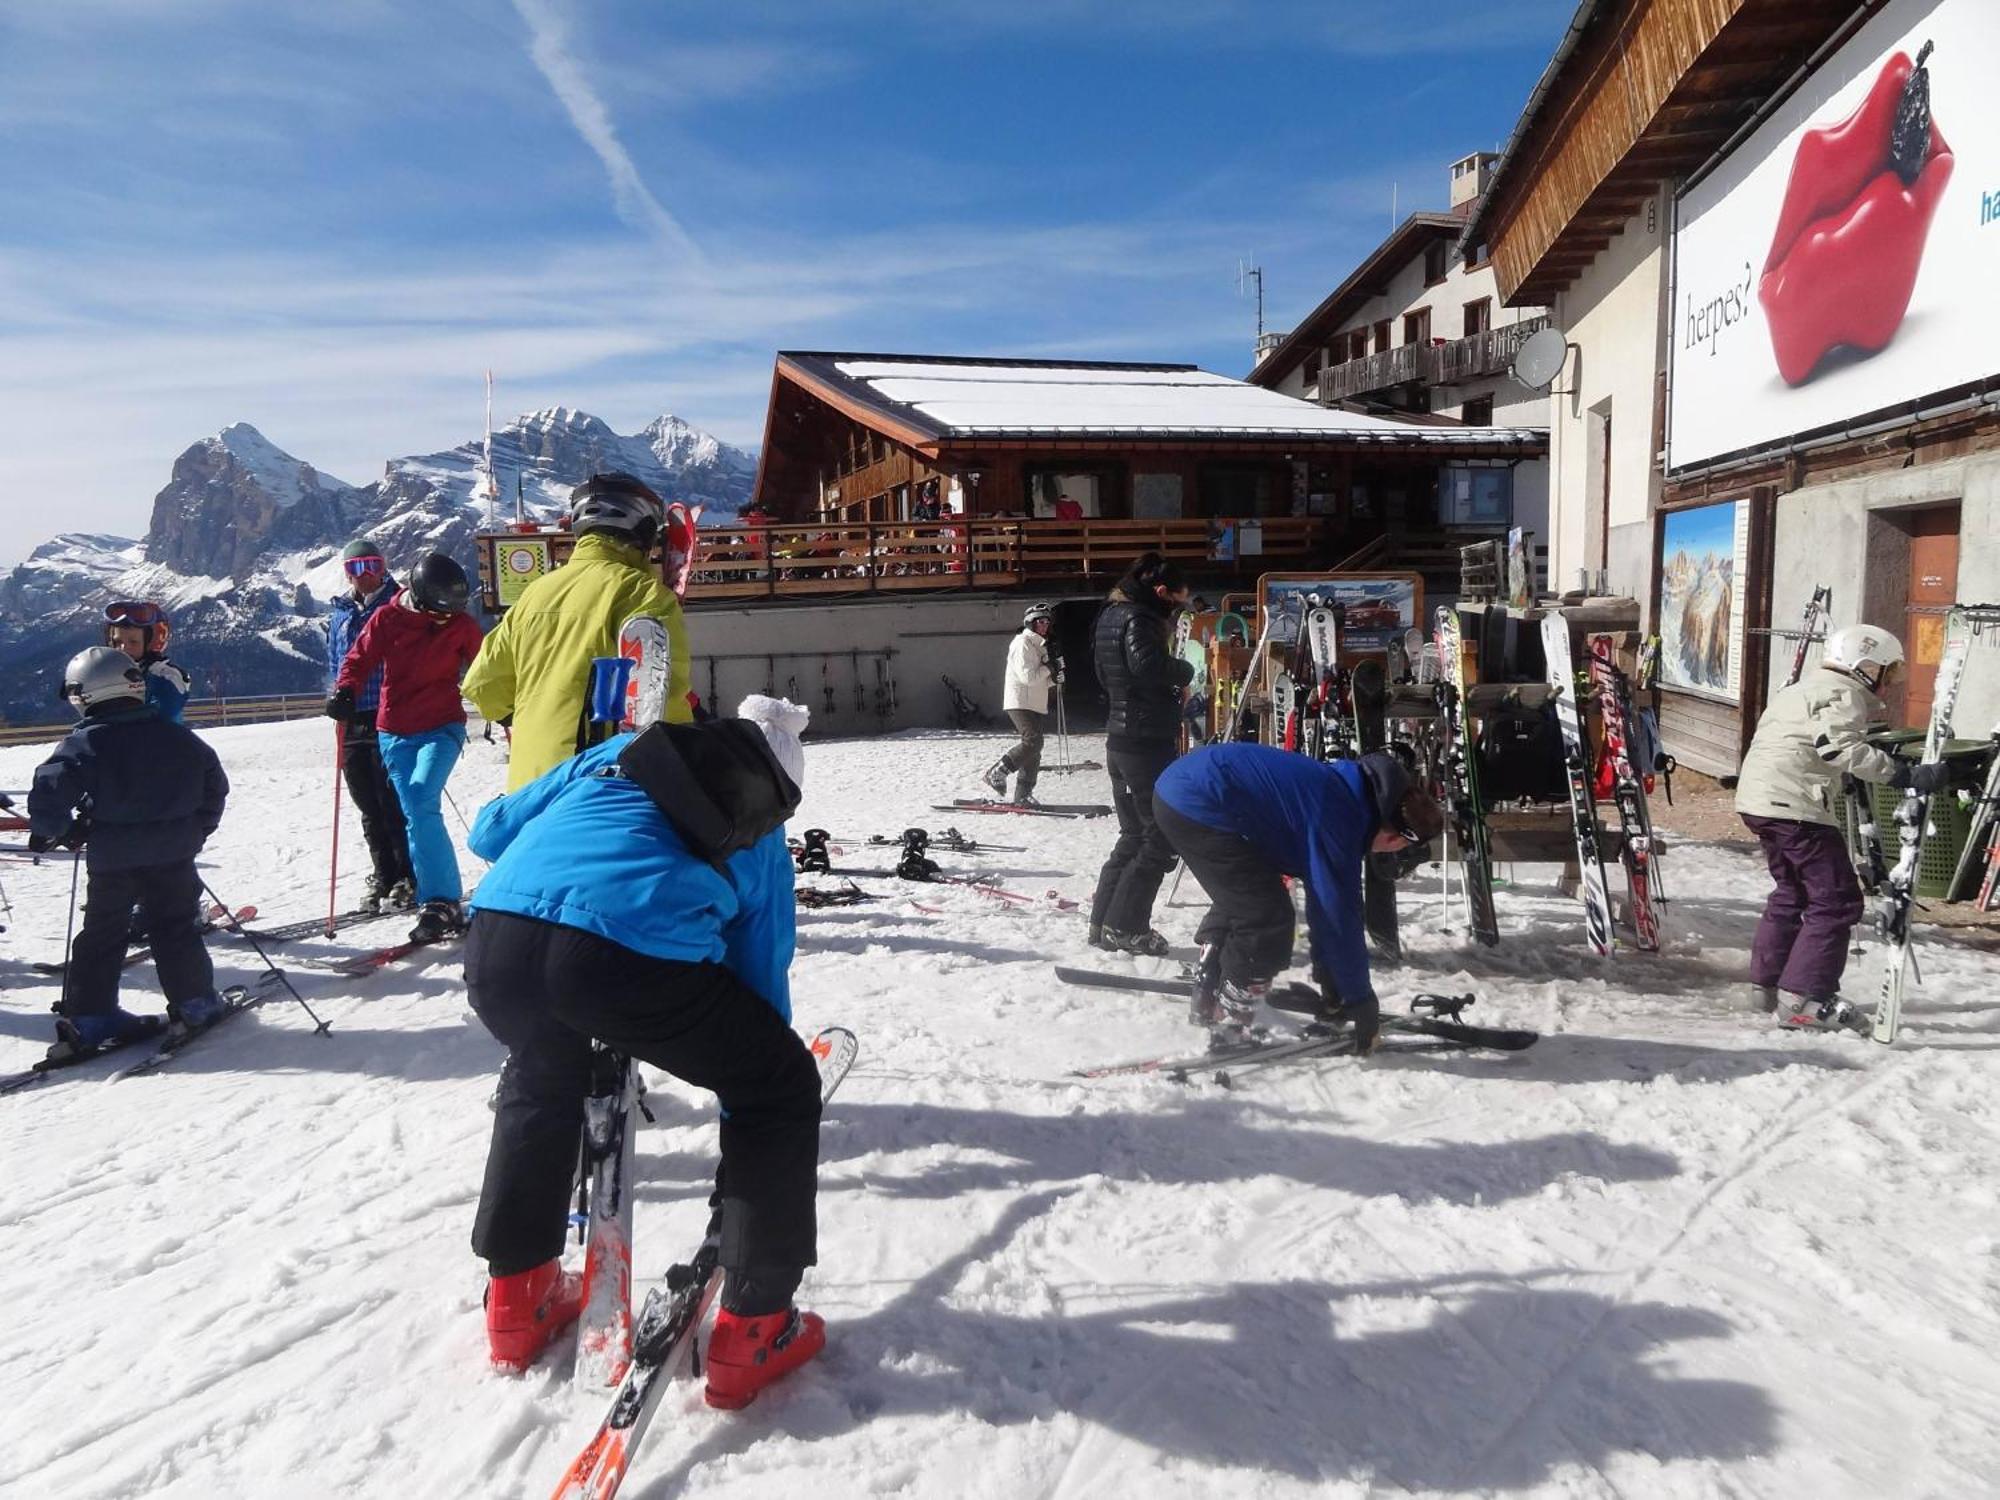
x,y
1665,1253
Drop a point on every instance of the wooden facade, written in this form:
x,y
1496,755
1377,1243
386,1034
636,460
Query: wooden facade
x,y
1645,91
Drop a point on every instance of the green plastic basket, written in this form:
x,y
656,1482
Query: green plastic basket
x,y
1944,839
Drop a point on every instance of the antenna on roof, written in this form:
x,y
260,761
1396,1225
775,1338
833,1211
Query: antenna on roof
x,y
489,488
1248,273
1394,189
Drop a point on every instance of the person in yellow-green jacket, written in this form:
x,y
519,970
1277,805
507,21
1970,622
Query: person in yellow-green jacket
x,y
534,667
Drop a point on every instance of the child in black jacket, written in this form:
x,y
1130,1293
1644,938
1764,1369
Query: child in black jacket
x,y
143,795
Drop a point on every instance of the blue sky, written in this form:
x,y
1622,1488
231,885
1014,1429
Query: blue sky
x,y
328,219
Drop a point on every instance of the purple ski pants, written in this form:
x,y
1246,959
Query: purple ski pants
x,y
1801,945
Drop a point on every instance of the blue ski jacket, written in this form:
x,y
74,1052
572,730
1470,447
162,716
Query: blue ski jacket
x,y
151,790
583,849
1309,819
346,618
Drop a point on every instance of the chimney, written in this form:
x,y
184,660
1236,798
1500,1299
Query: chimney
x,y
1266,342
1470,176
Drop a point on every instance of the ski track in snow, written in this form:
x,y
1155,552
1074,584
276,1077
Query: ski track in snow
x,y
1667,1252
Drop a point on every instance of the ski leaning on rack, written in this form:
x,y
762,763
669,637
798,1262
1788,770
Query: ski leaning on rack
x,y
1368,685
1582,799
1812,629
1912,818
1985,814
664,1334
1462,782
1628,793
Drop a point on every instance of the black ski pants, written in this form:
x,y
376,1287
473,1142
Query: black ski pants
x,y
1024,760
168,901
546,991
1141,858
375,799
1250,913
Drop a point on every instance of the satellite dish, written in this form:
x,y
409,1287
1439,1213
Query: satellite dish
x,y
1541,359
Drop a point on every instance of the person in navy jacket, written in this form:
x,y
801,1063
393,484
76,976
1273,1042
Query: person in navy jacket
x,y
421,643
612,912
1244,816
140,795
370,587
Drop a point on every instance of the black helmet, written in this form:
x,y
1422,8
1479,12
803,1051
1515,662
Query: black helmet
x,y
438,586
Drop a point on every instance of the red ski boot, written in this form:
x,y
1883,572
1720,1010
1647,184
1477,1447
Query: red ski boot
x,y
747,1354
525,1312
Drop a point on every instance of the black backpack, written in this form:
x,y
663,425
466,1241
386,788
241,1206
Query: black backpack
x,y
1521,755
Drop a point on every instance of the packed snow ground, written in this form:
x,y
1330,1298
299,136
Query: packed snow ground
x,y
1667,1252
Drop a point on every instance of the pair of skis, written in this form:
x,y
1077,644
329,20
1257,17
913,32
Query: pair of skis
x,y
1582,792
1468,813
1037,810
660,1342
169,1041
1645,893
1432,1017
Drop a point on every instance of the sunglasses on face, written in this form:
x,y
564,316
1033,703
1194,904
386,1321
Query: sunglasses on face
x,y
362,567
142,615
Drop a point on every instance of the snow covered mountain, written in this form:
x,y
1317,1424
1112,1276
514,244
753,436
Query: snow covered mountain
x,y
244,544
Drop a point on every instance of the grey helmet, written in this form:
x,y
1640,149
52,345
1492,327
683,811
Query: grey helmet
x,y
102,674
618,503
1037,612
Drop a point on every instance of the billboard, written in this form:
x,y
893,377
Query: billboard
x,y
1842,259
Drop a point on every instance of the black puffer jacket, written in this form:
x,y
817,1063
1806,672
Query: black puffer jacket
x,y
153,791
1133,649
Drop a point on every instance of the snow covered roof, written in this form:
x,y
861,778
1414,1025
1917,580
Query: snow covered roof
x,y
944,399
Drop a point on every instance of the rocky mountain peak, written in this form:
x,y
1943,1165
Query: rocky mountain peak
x,y
232,497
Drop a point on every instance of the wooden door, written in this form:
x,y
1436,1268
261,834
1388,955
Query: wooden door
x,y
1933,586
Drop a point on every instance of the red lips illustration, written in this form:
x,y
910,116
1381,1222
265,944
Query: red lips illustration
x,y
1857,213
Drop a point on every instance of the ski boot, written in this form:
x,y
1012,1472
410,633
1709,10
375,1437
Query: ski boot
x,y
1820,1013
1205,1004
526,1311
1237,1013
79,1036
402,895
1026,799
745,1354
1147,944
436,921
996,778
196,1014
374,894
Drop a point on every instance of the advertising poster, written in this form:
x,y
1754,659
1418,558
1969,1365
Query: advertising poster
x,y
1378,605
1842,259
1702,566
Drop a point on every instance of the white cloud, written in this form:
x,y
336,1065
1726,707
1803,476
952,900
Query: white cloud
x,y
551,52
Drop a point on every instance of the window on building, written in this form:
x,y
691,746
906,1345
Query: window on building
x,y
1475,497
1239,490
1478,316
1048,485
1382,339
1357,344
1436,262
1477,412
1417,326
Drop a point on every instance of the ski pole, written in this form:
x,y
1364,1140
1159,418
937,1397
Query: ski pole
x,y
333,873
229,921
69,933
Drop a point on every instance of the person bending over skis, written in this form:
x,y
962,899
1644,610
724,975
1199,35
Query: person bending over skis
x,y
1244,816
642,894
1811,733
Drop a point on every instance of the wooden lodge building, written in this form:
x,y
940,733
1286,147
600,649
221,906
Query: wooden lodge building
x,y
1022,472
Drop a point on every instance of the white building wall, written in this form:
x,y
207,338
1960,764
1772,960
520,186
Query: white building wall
x,y
1615,314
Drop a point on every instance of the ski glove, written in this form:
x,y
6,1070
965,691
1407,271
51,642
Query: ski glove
x,y
1931,776
341,705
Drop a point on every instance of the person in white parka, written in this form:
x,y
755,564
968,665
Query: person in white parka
x,y
1030,675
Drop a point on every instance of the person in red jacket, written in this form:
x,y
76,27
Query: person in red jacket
x,y
423,641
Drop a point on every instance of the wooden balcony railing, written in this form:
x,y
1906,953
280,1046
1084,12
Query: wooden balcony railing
x,y
875,557
1448,363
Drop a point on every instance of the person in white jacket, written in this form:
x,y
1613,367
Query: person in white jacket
x,y
1808,736
1030,675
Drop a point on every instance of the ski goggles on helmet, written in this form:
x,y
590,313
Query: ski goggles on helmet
x,y
363,567
143,614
